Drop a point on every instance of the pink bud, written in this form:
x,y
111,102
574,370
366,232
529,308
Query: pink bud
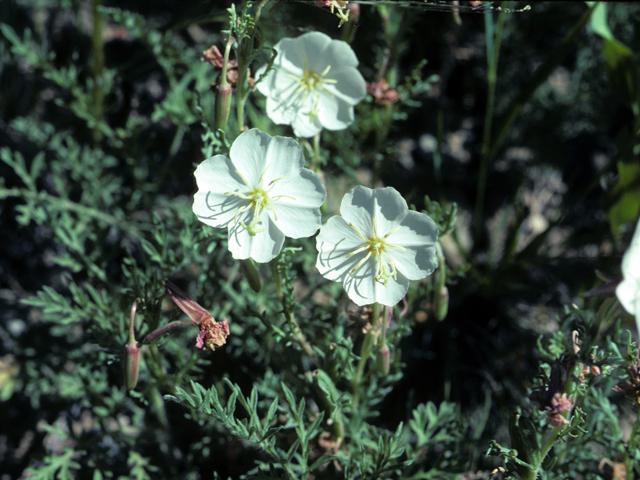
x,y
382,359
131,365
224,91
132,353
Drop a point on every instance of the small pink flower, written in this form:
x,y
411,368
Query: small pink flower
x,y
212,334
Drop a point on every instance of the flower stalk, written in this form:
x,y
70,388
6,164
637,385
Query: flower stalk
x,y
298,335
367,346
224,91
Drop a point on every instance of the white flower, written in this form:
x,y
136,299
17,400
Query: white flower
x,y
628,291
316,84
261,194
377,246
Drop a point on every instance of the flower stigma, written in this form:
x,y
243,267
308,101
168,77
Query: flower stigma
x,y
311,81
258,200
376,247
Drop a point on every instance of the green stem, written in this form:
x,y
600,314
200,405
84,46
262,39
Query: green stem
x,y
259,10
493,53
315,164
225,61
244,59
631,448
385,322
302,341
367,347
68,205
165,328
98,67
290,317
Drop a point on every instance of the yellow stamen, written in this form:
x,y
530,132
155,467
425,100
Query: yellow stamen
x,y
376,247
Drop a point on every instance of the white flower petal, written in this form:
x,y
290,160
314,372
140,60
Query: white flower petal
x,y
305,190
216,209
317,50
631,258
628,291
284,159
214,177
341,54
248,154
334,114
305,126
417,234
361,205
280,113
298,211
262,247
362,289
297,222
291,54
334,242
350,86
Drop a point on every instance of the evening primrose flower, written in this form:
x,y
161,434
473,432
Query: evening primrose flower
x,y
628,291
261,194
315,84
377,246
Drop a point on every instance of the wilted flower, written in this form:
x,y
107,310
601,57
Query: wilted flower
x,y
261,194
382,92
628,291
214,57
315,84
553,400
560,402
212,334
377,246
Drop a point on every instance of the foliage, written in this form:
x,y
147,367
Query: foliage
x,y
106,111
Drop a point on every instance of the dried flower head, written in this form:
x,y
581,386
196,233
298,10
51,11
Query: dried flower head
x,y
214,57
212,334
382,92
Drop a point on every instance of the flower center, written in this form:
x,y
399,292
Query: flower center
x,y
376,247
258,200
312,82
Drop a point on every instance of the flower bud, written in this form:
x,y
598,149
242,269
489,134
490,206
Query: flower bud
x,y
132,353
223,104
250,272
131,365
382,359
